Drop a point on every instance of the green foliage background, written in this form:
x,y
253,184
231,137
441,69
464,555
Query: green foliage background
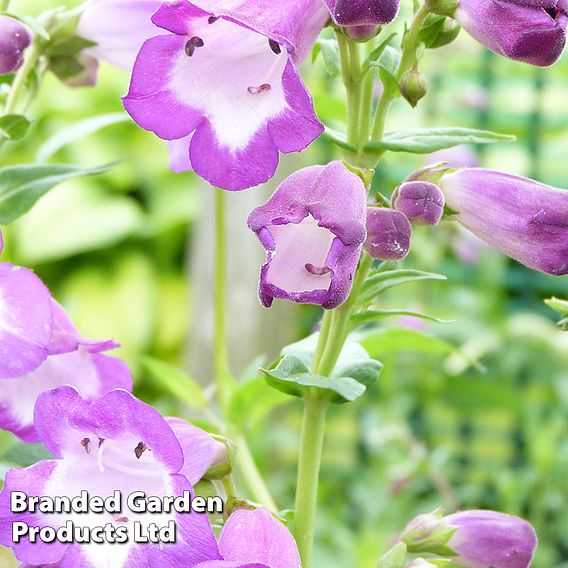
x,y
468,414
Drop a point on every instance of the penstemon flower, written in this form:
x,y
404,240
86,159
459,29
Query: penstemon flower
x,y
533,31
522,218
119,27
255,539
224,83
72,360
114,443
361,18
388,234
312,228
14,39
422,202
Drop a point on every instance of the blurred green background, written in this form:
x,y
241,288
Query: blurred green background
x,y
471,414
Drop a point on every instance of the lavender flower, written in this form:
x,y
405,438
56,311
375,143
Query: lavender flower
x,y
255,539
487,538
224,80
350,13
71,360
522,218
533,31
388,234
114,443
14,39
422,202
312,228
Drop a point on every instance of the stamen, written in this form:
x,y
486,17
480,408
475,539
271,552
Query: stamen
x,y
192,45
212,19
140,449
264,88
275,46
86,443
102,448
317,270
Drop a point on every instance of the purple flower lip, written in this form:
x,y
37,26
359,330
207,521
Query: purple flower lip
x,y
533,31
388,234
421,202
14,39
312,229
223,88
524,219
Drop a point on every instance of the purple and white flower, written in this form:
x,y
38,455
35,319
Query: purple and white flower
x,y
71,360
255,539
312,228
388,234
14,39
533,31
224,81
113,443
522,218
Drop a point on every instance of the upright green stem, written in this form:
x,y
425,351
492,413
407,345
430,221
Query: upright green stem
x,y
350,71
311,447
21,79
410,47
366,100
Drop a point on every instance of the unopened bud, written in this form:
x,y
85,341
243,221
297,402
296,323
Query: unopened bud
x,y
429,533
413,86
14,39
421,201
443,7
388,234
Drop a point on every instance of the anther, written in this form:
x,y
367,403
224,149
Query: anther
x,y
86,443
212,19
264,88
275,46
317,270
140,449
192,45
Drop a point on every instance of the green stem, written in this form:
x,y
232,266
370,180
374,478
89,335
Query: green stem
x,y
220,356
351,71
367,100
311,447
21,79
410,47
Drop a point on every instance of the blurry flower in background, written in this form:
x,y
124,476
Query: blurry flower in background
x,y
533,31
225,82
519,217
312,228
14,39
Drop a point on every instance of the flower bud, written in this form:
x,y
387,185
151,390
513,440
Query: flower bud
x,y
442,7
388,234
519,217
525,30
428,533
488,538
14,38
413,86
348,13
421,201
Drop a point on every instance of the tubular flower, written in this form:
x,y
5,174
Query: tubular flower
x,y
72,360
422,202
118,27
488,538
224,79
14,39
388,234
312,228
255,539
519,217
533,31
116,443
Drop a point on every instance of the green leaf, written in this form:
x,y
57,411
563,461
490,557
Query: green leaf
x,y
393,558
383,281
560,306
176,382
427,140
285,378
14,126
379,343
375,55
370,316
339,139
66,66
388,65
78,131
330,52
22,455
68,46
22,186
